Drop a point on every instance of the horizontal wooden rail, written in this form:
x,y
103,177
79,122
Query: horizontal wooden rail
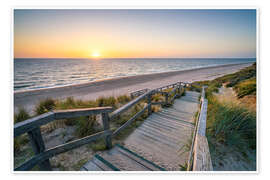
x,y
32,123
60,149
128,105
167,86
138,93
35,122
158,103
130,120
71,113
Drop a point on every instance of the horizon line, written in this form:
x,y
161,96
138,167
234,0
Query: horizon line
x,y
136,58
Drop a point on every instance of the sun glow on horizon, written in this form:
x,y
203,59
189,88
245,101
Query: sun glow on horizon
x,y
95,54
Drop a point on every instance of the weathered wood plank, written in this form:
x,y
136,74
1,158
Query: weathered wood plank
x,y
149,104
60,149
32,123
60,114
202,158
166,98
128,105
167,86
106,126
138,93
202,118
191,152
203,93
130,121
39,147
158,103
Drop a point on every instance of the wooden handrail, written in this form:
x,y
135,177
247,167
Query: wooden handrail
x,y
60,149
35,122
71,113
32,127
190,158
202,158
128,105
148,107
138,93
32,123
130,121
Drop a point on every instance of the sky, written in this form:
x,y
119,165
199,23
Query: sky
x,y
156,33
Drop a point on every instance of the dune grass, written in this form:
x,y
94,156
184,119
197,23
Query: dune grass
x,y
45,106
21,140
246,87
21,115
231,124
123,99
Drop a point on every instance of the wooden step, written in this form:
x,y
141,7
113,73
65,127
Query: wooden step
x,y
120,158
150,165
98,163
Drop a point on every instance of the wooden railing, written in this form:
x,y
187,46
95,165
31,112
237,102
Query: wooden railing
x,y
138,93
32,126
199,157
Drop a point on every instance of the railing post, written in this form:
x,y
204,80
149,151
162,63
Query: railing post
x,y
149,110
39,147
178,90
167,98
106,125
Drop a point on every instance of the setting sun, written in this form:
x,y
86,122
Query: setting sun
x,y
95,54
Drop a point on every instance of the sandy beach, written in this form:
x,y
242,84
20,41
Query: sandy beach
x,y
119,86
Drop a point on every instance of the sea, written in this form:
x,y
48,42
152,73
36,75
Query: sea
x,y
40,73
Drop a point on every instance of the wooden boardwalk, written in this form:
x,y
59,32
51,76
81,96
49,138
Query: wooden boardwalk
x,y
162,142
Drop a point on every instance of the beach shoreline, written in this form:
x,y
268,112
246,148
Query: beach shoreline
x,y
121,85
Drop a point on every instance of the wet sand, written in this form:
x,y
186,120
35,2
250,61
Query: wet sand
x,y
120,86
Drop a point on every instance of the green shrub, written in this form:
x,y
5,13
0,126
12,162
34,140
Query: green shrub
x,y
98,145
194,87
70,101
19,142
45,106
235,78
85,125
247,87
231,124
157,98
17,146
123,118
106,101
123,99
21,115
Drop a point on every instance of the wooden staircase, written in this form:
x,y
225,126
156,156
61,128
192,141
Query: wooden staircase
x,y
161,143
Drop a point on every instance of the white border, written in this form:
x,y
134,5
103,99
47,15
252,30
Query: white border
x,y
122,172
205,4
